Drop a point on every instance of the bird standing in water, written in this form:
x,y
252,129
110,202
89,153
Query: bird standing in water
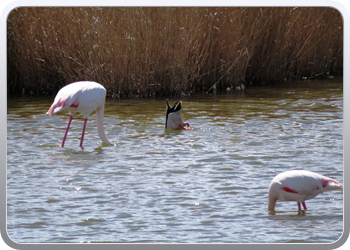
x,y
299,185
173,119
83,97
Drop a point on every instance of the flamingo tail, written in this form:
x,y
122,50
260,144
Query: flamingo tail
x,y
56,107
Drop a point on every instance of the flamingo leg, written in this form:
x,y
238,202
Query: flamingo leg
x,y
82,135
304,205
65,135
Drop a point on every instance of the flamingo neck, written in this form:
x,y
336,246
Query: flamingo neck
x,y
271,206
100,128
272,203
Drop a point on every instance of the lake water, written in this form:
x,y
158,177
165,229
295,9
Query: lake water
x,y
207,185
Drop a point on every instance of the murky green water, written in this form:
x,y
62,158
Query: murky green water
x,y
209,184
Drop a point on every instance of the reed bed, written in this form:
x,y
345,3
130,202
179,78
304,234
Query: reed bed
x,y
157,51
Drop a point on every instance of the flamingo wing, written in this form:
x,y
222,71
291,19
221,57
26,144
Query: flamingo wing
x,y
299,185
84,96
67,97
301,182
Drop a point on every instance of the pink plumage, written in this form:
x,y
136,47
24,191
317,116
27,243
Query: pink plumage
x,y
299,185
83,97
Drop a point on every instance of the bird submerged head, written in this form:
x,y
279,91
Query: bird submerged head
x,y
173,119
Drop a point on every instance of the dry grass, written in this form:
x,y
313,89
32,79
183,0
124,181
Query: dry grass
x,y
168,51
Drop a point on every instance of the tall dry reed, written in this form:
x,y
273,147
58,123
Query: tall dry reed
x,y
167,51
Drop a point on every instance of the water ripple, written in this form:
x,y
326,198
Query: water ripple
x,y
205,185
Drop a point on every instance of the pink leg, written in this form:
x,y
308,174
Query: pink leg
x,y
304,205
82,135
299,206
65,135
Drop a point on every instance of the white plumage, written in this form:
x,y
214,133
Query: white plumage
x,y
299,185
173,118
83,97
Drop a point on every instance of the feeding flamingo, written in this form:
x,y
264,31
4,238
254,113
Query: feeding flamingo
x,y
173,119
84,97
299,185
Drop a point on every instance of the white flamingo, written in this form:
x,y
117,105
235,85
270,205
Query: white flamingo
x,y
299,185
84,97
173,119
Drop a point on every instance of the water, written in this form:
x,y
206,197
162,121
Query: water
x,y
209,184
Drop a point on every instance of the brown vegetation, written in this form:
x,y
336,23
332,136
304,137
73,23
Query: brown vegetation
x,y
167,51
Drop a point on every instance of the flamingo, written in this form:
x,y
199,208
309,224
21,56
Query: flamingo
x,y
299,185
84,97
173,119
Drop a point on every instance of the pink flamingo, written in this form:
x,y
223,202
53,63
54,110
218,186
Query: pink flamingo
x,y
299,185
173,119
84,97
